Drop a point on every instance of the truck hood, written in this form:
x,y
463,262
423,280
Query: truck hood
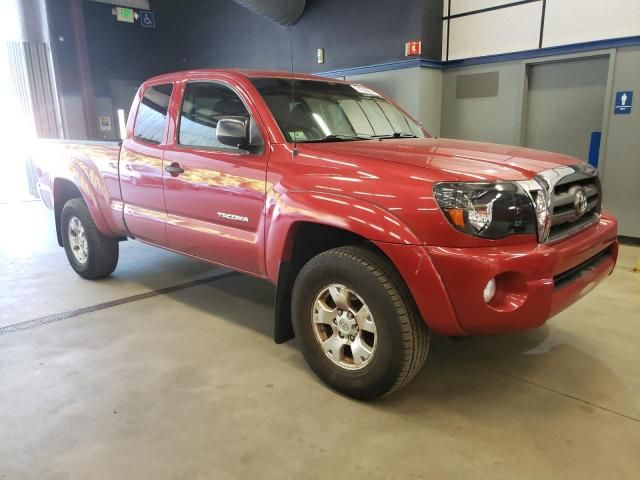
x,y
458,159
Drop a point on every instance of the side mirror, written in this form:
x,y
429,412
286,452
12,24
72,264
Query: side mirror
x,y
234,132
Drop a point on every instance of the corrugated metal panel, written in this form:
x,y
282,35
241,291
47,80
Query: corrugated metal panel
x,y
30,68
34,87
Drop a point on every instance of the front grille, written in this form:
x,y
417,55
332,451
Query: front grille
x,y
565,219
566,278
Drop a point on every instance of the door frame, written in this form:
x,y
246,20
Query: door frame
x,y
525,68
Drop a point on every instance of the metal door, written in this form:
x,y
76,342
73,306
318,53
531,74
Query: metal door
x,y
565,106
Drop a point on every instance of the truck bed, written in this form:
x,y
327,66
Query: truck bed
x,y
91,167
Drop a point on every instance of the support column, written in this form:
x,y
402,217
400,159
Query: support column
x,y
84,68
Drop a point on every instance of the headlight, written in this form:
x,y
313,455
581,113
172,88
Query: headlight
x,y
488,210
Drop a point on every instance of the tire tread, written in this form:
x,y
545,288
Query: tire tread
x,y
104,251
414,331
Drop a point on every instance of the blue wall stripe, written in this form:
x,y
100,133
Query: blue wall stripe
x,y
503,57
381,67
594,148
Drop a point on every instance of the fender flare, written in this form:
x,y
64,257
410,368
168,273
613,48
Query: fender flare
x,y
357,216
80,180
291,209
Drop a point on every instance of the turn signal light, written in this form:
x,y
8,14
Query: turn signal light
x,y
457,216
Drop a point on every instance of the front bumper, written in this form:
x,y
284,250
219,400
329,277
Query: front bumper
x,y
533,283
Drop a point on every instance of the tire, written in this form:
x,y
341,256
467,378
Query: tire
x,y
100,257
398,338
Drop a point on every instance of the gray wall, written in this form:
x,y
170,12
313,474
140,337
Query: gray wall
x,y
488,119
621,164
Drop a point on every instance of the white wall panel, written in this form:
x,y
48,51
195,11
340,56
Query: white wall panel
x,y
575,21
445,27
462,6
500,31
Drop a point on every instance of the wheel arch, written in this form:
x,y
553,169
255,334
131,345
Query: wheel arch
x,y
305,240
354,218
302,224
63,191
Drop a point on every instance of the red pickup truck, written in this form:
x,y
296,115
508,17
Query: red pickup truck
x,y
374,232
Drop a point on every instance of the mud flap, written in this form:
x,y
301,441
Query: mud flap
x,y
283,328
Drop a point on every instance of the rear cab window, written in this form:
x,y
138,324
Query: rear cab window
x,y
152,113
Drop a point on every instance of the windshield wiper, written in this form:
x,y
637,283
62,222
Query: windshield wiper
x,y
396,135
336,138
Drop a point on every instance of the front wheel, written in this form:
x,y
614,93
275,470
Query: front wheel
x,y
91,254
357,325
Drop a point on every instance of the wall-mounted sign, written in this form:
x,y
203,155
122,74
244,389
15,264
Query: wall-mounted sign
x,y
413,48
624,101
105,123
125,14
147,19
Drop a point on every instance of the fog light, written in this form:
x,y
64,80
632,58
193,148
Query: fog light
x,y
489,290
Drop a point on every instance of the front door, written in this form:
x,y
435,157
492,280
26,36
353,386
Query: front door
x,y
214,194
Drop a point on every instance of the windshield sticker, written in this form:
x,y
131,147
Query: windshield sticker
x,y
364,90
298,135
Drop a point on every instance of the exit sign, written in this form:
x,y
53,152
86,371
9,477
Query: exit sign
x,y
413,48
125,15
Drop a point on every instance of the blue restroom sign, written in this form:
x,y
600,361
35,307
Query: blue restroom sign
x,y
147,19
624,100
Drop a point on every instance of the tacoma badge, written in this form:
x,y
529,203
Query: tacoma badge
x,y
235,218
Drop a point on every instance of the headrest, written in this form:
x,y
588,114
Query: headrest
x,y
231,106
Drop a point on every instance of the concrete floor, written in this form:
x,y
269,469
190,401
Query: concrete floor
x,y
189,384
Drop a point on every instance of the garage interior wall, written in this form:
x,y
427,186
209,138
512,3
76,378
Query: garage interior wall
x,y
191,34
353,33
119,54
485,42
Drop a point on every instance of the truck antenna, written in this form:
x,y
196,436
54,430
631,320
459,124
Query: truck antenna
x,y
293,88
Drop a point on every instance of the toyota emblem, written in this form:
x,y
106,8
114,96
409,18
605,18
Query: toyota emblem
x,y
580,203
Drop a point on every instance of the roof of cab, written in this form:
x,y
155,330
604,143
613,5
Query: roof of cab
x,y
172,77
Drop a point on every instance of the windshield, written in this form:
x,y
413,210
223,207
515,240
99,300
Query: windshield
x,y
315,111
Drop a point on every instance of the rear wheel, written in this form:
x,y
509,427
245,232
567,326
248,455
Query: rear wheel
x,y
91,254
358,327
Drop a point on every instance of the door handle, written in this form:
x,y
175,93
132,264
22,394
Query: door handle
x,y
174,169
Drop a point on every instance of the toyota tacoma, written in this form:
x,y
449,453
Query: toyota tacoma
x,y
375,233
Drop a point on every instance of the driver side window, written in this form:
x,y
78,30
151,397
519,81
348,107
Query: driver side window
x,y
204,104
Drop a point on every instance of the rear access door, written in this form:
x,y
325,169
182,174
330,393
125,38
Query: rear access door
x,y
565,106
141,168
